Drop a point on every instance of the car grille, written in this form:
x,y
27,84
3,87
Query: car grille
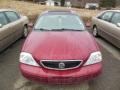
x,y
61,64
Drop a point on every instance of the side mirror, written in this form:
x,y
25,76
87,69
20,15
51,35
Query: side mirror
x,y
1,25
118,24
88,24
99,17
30,25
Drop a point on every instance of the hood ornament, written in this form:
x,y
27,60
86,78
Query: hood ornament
x,y
61,65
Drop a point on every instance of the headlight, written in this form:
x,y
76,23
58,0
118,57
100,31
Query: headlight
x,y
95,57
27,58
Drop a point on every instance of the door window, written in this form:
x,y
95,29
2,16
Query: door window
x,y
12,16
107,16
116,18
3,19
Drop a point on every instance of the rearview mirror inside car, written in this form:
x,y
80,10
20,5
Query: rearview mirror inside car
x,y
118,24
1,25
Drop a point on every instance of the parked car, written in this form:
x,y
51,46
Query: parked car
x,y
12,26
60,50
92,6
107,25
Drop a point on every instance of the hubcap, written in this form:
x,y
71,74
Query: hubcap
x,y
25,32
95,32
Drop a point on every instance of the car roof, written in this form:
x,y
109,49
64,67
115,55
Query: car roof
x,y
59,12
113,10
3,10
107,11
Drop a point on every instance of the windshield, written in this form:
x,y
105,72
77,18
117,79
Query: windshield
x,y
59,22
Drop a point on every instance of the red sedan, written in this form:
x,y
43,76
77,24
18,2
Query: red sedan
x,y
59,50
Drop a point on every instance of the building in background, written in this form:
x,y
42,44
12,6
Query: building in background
x,y
82,3
73,3
50,3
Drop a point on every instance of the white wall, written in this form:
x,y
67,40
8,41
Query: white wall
x,y
50,3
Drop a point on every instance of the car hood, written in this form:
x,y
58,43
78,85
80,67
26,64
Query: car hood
x,y
64,45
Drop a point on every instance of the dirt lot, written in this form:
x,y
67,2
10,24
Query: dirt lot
x,y
32,10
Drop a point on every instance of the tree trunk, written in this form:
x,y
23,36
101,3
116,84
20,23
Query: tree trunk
x,y
62,2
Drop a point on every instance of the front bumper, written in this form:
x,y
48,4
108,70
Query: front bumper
x,y
74,76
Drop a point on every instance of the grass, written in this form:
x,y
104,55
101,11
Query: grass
x,y
33,10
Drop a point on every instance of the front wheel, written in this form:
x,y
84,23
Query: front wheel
x,y
25,32
95,32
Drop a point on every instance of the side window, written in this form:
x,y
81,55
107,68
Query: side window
x,y
107,16
12,16
3,19
116,18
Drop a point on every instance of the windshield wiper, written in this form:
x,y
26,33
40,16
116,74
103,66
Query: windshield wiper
x,y
43,29
65,29
62,29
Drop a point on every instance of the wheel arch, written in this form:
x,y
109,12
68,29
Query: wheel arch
x,y
94,26
25,25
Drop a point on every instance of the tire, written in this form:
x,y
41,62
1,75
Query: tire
x,y
95,32
25,32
